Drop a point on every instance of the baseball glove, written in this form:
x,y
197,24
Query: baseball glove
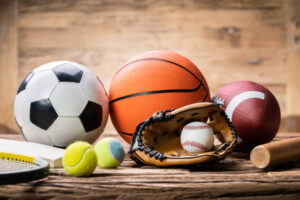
x,y
156,141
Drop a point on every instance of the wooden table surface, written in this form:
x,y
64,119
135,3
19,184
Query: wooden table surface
x,y
234,177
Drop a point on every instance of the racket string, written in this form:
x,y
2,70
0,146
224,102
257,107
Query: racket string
x,y
15,165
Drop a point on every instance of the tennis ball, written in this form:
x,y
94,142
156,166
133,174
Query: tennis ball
x,y
80,159
110,153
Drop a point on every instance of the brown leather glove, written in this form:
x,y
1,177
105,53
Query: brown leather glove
x,y
156,141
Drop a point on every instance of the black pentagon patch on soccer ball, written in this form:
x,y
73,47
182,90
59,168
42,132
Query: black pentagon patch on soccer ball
x,y
68,73
25,82
91,116
42,113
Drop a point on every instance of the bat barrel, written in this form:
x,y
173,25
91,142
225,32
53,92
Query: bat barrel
x,y
275,153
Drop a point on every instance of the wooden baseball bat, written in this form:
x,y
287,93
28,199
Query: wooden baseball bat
x,y
275,153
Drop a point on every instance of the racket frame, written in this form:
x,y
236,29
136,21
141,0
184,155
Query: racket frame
x,y
40,171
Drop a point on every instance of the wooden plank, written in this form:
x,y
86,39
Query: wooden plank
x,y
224,31
228,40
293,123
230,178
51,18
100,6
8,63
293,84
216,64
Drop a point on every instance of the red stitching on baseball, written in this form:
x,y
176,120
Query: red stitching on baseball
x,y
196,127
195,144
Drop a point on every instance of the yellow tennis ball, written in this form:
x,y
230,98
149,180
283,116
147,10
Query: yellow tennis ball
x,y
80,159
110,153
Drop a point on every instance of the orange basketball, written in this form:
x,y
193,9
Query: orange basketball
x,y
153,81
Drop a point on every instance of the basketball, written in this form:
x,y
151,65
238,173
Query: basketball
x,y
153,81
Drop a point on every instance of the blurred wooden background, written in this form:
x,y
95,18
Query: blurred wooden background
x,y
228,40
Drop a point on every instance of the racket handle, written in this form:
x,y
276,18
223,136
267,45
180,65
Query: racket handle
x,y
275,153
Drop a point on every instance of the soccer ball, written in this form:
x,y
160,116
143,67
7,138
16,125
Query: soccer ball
x,y
61,102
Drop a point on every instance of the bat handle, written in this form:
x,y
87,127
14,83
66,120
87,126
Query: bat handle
x,y
275,153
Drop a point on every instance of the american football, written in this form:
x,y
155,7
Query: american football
x,y
253,110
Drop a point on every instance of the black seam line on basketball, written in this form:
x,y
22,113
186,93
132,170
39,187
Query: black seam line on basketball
x,y
200,81
178,65
205,95
124,133
154,92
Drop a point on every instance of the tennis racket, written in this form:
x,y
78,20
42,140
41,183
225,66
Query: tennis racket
x,y
18,168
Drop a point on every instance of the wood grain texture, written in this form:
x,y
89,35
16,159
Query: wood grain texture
x,y
228,40
95,6
234,177
293,68
8,63
293,85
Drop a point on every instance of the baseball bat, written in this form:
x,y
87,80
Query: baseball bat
x,y
275,153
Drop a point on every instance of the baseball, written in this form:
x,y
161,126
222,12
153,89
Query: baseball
x,y
197,137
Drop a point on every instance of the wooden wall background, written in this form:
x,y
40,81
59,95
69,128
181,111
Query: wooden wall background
x,y
228,40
